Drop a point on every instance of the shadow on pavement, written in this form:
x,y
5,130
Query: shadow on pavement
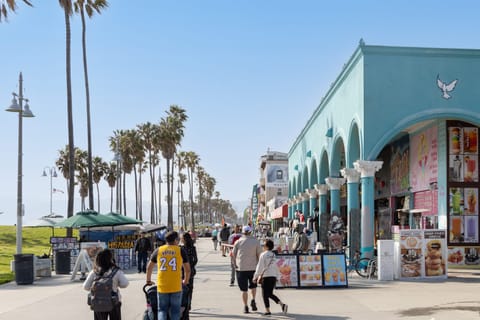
x,y
210,314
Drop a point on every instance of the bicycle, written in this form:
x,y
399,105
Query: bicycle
x,y
367,267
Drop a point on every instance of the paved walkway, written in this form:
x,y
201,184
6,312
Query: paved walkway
x,y
456,298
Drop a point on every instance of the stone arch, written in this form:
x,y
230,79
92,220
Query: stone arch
x,y
313,174
305,181
431,114
354,149
324,171
338,157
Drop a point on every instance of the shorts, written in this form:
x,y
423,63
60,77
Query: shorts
x,y
245,280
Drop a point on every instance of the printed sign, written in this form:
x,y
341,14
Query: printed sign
x,y
310,270
287,267
334,270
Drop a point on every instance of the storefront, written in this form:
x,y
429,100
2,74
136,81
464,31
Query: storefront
x,y
408,158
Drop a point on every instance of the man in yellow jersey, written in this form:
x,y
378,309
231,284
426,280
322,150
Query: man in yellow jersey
x,y
170,259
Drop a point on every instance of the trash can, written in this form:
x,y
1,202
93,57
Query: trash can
x,y
62,262
23,268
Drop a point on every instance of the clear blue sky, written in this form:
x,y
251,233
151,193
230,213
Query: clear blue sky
x,y
249,73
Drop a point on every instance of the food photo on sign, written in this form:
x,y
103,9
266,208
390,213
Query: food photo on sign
x,y
435,253
310,270
287,267
411,252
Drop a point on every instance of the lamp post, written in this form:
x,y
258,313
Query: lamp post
x,y
23,111
53,174
178,205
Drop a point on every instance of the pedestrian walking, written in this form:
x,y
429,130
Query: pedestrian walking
x,y
191,251
237,233
143,246
169,258
246,252
105,267
224,234
215,238
266,275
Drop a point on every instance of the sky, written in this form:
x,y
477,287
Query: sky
x,y
248,73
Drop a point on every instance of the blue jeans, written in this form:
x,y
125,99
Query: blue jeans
x,y
169,303
142,261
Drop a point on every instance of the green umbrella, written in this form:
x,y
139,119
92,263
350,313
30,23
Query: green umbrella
x,y
88,219
121,219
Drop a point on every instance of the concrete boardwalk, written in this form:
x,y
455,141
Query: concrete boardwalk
x,y
456,298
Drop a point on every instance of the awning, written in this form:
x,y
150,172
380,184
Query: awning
x,y
280,212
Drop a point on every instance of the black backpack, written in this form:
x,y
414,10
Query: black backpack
x,y
101,297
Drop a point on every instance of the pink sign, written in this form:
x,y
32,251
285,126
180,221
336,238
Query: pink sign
x,y
423,159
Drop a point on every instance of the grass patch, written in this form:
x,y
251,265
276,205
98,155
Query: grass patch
x,y
35,241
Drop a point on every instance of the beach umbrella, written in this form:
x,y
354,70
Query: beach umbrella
x,y
46,221
87,219
121,219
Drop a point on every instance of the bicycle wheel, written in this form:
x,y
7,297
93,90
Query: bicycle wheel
x,y
363,267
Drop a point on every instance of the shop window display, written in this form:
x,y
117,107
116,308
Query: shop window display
x,y
463,184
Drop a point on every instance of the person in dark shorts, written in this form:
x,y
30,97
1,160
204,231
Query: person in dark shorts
x,y
246,252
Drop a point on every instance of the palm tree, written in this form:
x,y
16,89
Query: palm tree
x,y
201,189
67,8
89,7
100,168
191,160
111,178
82,175
148,132
133,143
10,6
171,134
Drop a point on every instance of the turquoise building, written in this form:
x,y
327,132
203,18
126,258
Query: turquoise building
x,y
393,145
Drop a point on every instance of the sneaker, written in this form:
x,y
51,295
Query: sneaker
x,y
245,310
232,284
253,305
284,308
267,314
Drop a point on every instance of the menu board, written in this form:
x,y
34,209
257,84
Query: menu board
x,y
435,252
310,270
334,270
411,245
287,267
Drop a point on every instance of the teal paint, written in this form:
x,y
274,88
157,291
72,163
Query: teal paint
x,y
305,207
313,205
367,212
323,203
290,212
335,201
352,192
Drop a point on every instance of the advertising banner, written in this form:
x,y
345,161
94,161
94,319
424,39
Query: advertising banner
x,y
287,267
435,252
411,246
334,270
277,175
423,159
310,270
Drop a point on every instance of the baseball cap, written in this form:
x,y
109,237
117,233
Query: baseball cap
x,y
246,229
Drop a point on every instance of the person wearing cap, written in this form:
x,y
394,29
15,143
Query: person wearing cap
x,y
246,252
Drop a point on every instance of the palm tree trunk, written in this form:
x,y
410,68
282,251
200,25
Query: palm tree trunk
x,y
136,190
124,185
71,145
169,211
98,198
140,198
87,96
111,199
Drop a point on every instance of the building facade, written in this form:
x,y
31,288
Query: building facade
x,y
394,142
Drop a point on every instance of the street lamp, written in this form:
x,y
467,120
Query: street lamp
x,y
53,174
23,111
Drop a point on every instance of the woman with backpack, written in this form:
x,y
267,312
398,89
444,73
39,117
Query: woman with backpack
x,y
105,275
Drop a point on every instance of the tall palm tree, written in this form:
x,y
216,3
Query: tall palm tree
x,y
82,175
171,134
9,5
66,5
191,161
89,7
149,134
201,189
133,143
111,178
100,168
